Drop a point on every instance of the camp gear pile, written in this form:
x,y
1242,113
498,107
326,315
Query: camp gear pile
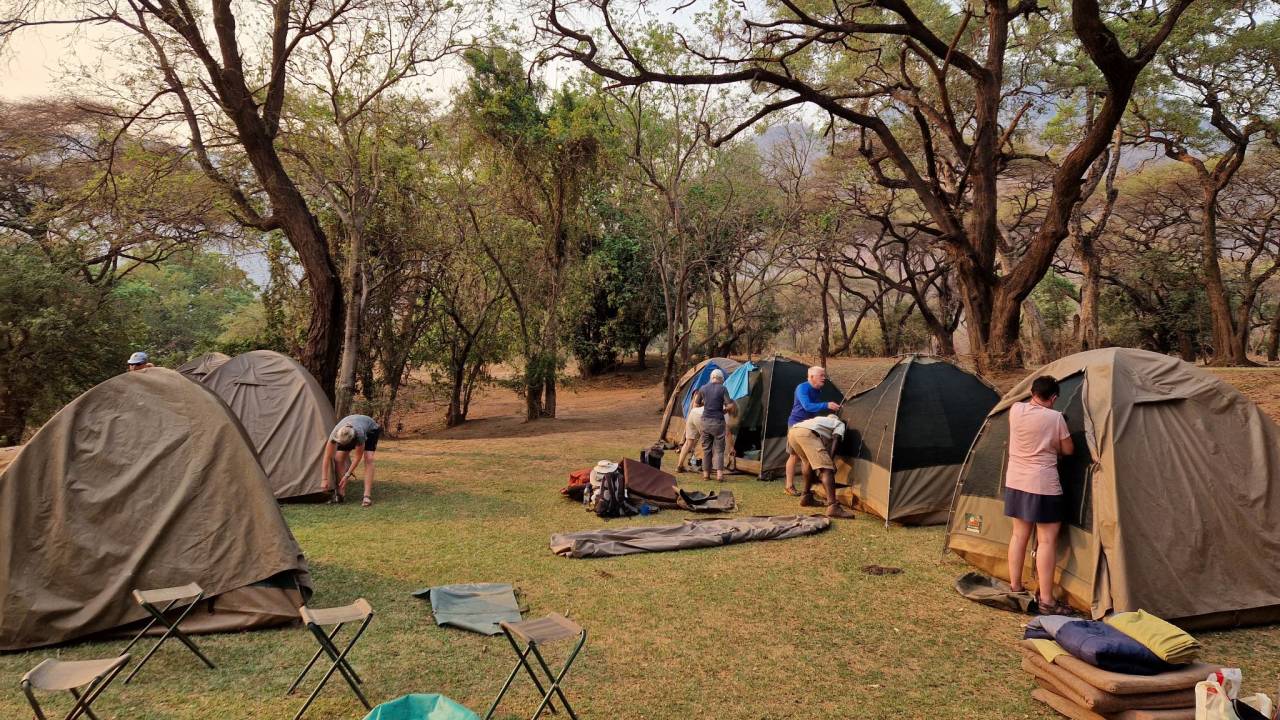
x,y
908,437
687,535
636,484
154,484
1167,456
764,393
287,415
478,607
1130,663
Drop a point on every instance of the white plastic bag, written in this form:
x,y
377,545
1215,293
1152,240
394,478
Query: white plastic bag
x,y
1215,696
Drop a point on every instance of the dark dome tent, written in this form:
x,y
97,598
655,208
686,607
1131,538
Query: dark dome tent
x,y
198,367
907,438
146,481
761,435
287,415
1173,494
682,397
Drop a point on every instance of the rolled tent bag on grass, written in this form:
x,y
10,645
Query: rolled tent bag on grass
x,y
688,535
421,707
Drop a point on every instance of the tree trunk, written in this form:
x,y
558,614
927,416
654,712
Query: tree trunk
x,y
15,405
1037,348
300,227
1273,340
346,385
1088,336
642,352
1225,352
455,415
824,341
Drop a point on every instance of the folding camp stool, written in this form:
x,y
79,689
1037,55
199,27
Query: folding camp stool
x,y
315,619
535,633
93,676
149,600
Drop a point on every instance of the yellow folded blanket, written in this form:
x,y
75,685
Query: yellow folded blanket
x,y
1167,641
1048,649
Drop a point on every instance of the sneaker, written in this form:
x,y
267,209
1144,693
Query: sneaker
x,y
806,500
840,512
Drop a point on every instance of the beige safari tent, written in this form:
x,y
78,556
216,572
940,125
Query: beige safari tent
x,y
907,438
198,367
146,481
287,415
1173,495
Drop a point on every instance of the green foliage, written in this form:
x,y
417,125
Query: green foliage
x,y
185,304
58,336
1055,296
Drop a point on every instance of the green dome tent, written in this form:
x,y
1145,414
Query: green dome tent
x,y
145,481
286,414
908,437
1173,493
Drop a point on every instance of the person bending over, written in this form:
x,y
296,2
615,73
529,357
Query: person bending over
x,y
356,434
808,404
813,442
692,432
1038,434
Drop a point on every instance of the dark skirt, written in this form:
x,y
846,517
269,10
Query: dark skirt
x,y
1032,507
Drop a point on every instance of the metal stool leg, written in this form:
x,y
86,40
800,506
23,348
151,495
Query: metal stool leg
x,y
339,664
556,679
172,630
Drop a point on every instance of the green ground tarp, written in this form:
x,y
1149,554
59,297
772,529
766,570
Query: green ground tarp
x,y
421,707
477,607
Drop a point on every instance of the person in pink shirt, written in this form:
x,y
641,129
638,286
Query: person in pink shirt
x,y
1038,435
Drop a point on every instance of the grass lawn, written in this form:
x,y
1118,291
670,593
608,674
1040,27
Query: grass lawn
x,y
785,629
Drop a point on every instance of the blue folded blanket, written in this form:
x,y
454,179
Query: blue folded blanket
x,y
1101,645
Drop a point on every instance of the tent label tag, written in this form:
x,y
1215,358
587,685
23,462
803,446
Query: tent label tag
x,y
972,523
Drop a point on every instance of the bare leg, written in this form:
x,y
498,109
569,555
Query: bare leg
x,y
685,451
368,473
1046,559
788,481
1018,552
343,461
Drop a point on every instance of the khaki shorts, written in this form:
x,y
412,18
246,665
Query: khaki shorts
x,y
806,444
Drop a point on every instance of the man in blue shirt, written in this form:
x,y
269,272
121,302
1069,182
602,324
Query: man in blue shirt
x,y
808,404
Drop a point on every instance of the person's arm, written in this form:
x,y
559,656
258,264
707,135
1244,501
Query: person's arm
x,y
1065,444
326,466
808,397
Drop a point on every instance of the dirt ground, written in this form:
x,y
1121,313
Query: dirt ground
x,y
632,399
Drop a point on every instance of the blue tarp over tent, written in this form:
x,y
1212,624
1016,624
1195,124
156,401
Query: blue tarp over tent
x,y
703,377
739,383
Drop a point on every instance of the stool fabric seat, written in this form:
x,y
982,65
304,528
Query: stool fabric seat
x,y
84,679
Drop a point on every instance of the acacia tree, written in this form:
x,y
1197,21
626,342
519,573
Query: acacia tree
x,y
83,206
222,73
544,153
938,100
658,128
1217,96
344,130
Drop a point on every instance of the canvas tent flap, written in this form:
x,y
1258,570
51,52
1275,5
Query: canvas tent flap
x,y
145,481
688,535
287,415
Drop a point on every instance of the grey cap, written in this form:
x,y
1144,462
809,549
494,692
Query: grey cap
x,y
138,358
